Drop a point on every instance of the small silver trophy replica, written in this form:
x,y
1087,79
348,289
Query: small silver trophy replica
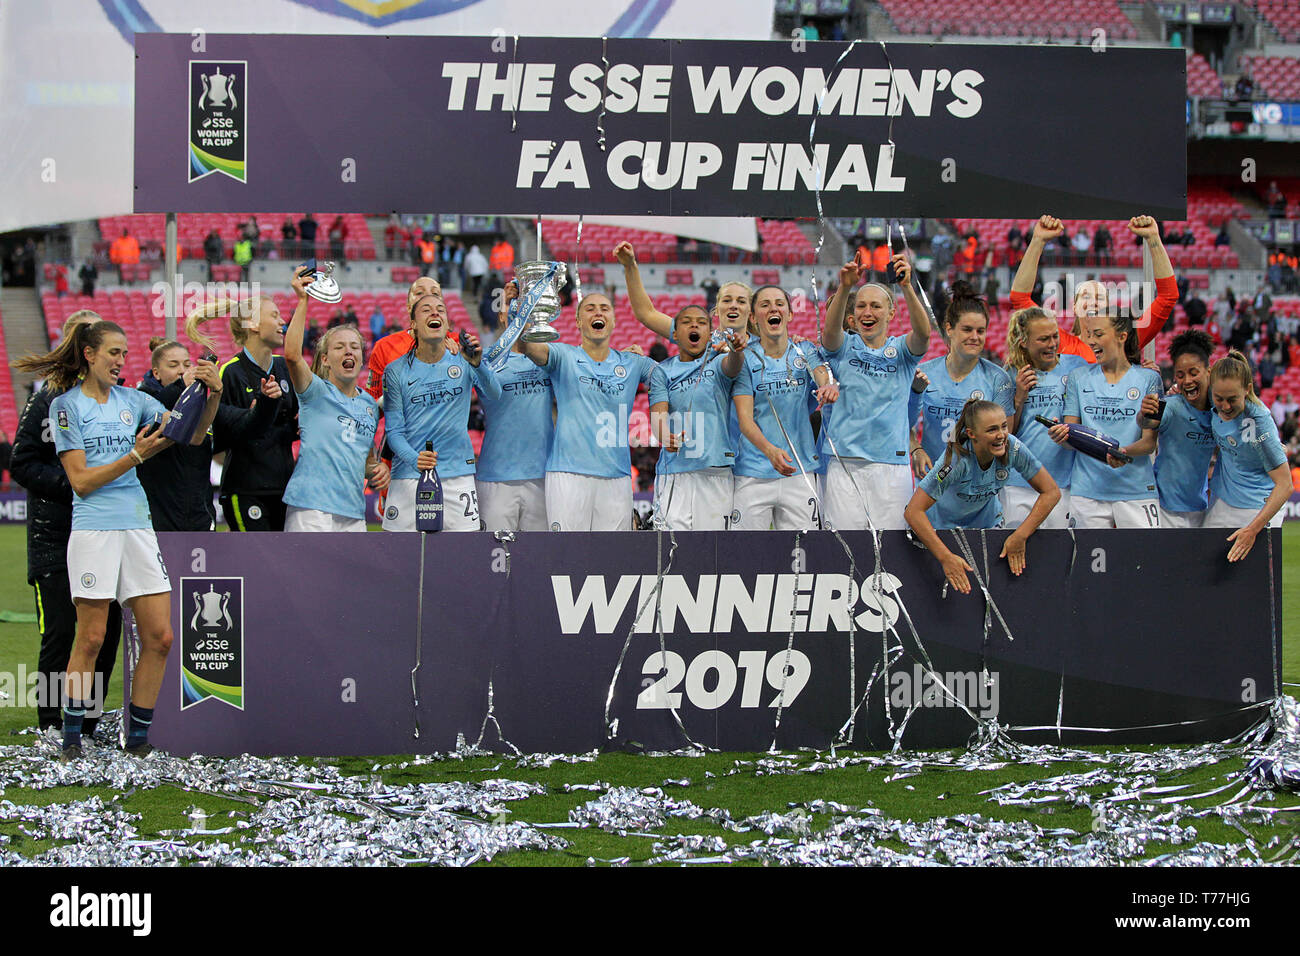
x,y
325,288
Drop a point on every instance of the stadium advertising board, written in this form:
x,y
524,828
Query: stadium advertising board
x,y
485,125
324,629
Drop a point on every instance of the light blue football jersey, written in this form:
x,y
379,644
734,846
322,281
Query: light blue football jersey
x,y
337,433
966,495
788,381
698,394
1114,410
1249,448
1182,464
942,401
594,403
520,423
1047,398
869,420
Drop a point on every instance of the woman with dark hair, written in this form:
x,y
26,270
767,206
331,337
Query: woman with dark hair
x,y
962,489
1185,436
1251,480
1108,396
102,431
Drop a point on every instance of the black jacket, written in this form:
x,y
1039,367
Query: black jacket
x,y
37,468
177,481
259,463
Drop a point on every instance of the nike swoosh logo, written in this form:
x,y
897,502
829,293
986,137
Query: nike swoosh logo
x,y
247,389
88,421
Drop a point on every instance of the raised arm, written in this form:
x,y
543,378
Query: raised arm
x,y
1047,229
299,371
833,330
918,339
642,307
539,352
1162,270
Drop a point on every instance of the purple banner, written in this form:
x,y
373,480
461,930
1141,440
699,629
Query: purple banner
x,y
327,641
655,127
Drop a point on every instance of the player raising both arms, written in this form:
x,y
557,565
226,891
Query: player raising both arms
x,y
112,551
1186,434
1091,297
959,376
1040,373
426,399
511,471
869,427
1108,396
690,405
961,491
1251,480
588,474
338,422
777,462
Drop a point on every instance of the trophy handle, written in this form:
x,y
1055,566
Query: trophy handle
x,y
198,608
225,603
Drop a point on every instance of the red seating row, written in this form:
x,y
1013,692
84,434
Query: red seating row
x,y
1283,16
1052,19
1278,77
193,228
782,244
8,404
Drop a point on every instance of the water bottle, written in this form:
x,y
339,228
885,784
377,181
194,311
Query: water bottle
x,y
187,411
428,499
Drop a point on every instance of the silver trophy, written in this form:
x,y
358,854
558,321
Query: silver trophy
x,y
324,288
544,300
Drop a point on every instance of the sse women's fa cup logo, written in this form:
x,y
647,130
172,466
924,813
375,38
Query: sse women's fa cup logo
x,y
218,118
212,641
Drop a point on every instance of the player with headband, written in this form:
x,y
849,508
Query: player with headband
x,y
1108,396
1251,481
690,405
519,427
777,463
1186,434
589,470
961,491
427,399
102,432
1040,372
959,376
338,421
868,483
1091,297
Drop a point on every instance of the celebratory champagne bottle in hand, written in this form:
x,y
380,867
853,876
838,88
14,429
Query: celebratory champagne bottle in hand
x,y
188,410
428,499
1088,441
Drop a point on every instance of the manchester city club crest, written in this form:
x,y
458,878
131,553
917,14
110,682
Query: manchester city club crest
x,y
453,372
799,362
218,118
890,352
977,394
127,417
1132,394
620,371
1002,474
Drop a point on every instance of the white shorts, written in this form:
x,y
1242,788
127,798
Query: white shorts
x,y
309,519
783,504
885,489
1091,513
696,500
513,505
115,565
1223,515
1181,519
1017,502
587,503
459,504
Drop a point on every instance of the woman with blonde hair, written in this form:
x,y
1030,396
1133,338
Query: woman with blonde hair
x,y
1251,481
1040,373
259,461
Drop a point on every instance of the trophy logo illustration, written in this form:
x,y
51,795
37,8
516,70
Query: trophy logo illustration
x,y
218,118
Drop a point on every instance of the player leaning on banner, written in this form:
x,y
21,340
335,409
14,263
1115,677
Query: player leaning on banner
x,y
1185,436
776,468
1090,298
1108,397
260,461
588,474
519,426
426,401
1040,373
1251,481
338,420
870,478
36,467
103,432
961,490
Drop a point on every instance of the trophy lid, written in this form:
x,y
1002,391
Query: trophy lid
x,y
325,288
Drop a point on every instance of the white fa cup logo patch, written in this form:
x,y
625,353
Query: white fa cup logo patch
x,y
87,580
453,372
255,512
1132,394
620,371
126,417
63,418
890,352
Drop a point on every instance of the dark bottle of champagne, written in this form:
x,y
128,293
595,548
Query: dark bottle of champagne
x,y
1088,441
428,499
187,411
